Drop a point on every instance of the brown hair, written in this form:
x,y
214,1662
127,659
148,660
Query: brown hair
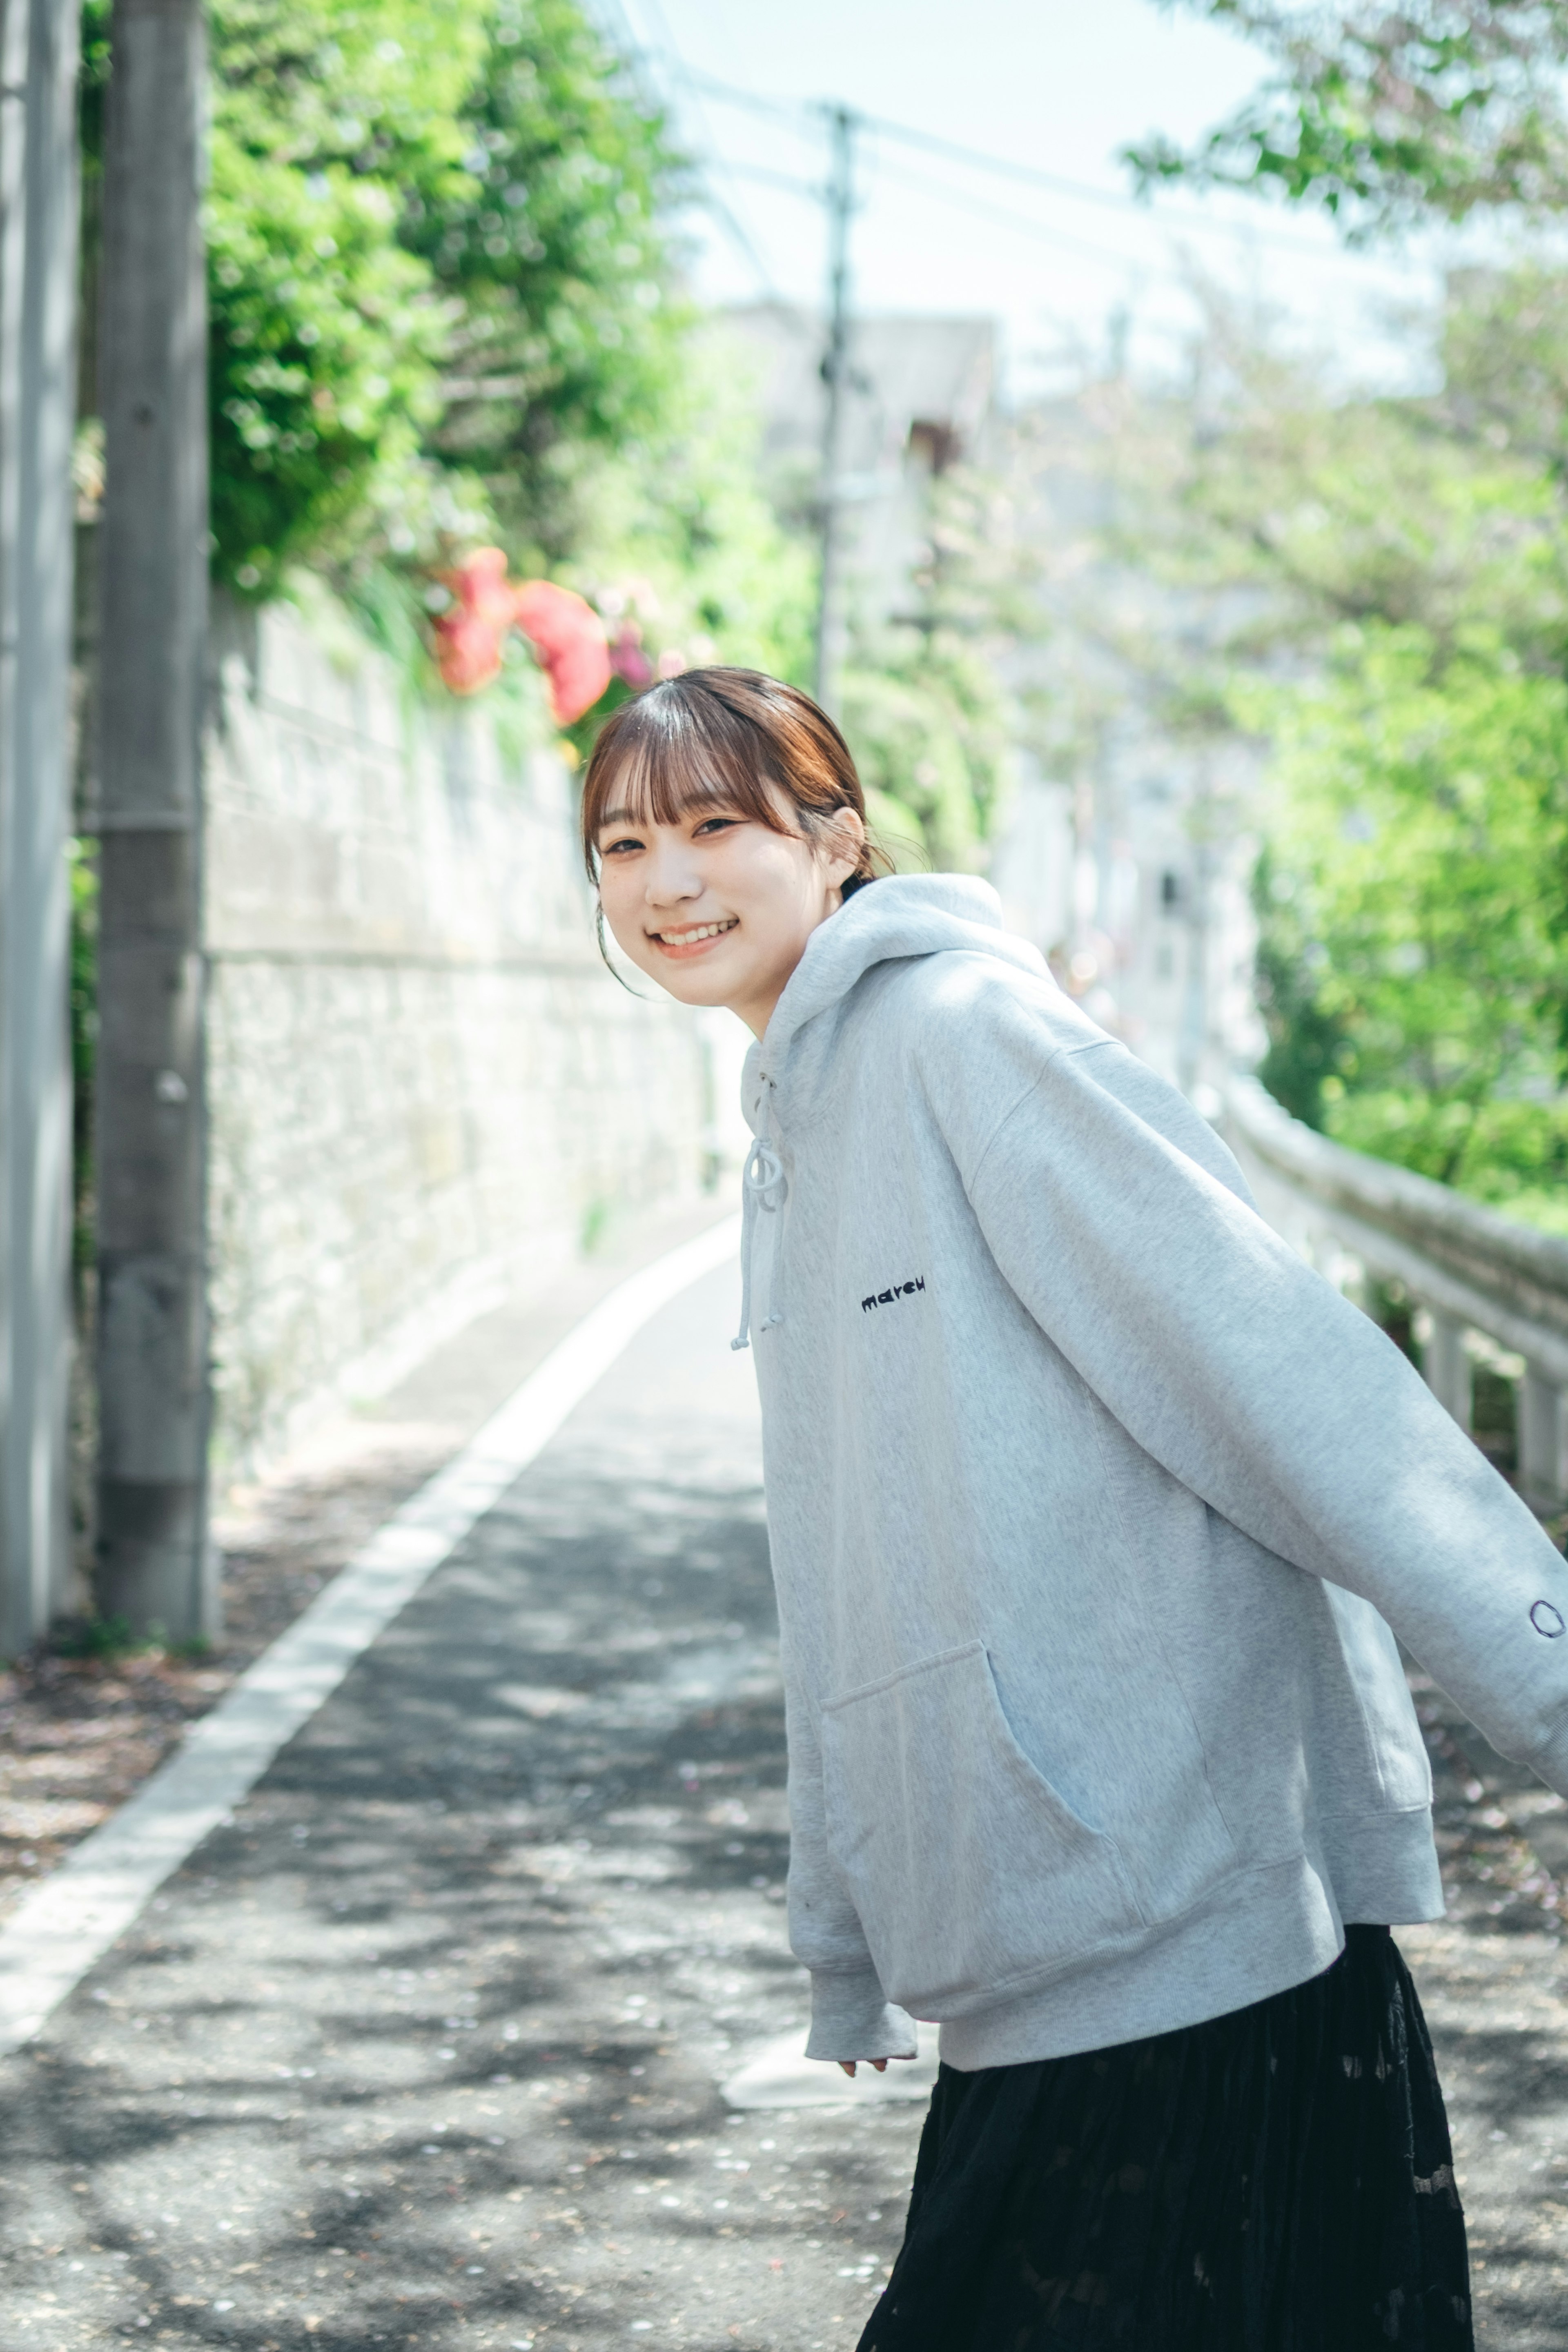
x,y
720,738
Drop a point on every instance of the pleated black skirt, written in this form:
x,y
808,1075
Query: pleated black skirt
x,y
1277,2180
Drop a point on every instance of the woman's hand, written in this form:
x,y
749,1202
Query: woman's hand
x,y
849,2064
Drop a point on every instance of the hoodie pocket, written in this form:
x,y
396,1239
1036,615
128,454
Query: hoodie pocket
x,y
969,1871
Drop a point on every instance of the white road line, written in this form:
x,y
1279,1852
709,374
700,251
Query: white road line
x,y
68,1922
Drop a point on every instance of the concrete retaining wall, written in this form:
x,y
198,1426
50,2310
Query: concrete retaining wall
x,y
423,1082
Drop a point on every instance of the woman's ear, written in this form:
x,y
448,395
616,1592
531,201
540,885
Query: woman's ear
x,y
843,839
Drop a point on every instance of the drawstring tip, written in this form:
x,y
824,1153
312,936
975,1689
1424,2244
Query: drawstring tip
x,y
735,1345
772,1322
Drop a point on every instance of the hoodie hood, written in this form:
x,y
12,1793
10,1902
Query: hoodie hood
x,y
898,915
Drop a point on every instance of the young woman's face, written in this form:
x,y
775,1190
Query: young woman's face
x,y
717,906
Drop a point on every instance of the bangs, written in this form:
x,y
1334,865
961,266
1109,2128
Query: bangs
x,y
667,771
683,746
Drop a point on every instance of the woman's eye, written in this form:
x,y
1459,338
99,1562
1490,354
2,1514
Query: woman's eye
x,y
714,824
613,848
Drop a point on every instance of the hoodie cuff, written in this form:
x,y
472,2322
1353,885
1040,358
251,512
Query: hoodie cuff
x,y
850,2018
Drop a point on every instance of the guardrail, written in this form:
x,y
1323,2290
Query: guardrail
x,y
1472,1270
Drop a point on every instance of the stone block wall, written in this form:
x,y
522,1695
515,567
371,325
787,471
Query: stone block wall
x,y
422,1079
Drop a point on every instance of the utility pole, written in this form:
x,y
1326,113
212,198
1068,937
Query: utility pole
x,y
153,1565
38,196
835,376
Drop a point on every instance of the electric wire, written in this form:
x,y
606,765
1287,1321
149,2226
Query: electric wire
x,y
1022,223
808,117
790,181
638,52
799,110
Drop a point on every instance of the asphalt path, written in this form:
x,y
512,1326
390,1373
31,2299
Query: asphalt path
x,y
428,2046
425,2047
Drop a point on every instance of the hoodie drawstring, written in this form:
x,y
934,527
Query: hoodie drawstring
x,y
763,1185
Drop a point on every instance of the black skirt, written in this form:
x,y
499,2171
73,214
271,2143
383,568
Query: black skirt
x,y
1277,2180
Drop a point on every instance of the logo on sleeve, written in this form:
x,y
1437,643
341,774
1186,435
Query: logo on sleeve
x,y
1548,1621
898,1290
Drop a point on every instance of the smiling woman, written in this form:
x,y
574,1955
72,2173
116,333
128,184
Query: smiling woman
x,y
1091,1511
723,819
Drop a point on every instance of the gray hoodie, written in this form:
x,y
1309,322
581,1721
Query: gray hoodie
x,y
1091,1508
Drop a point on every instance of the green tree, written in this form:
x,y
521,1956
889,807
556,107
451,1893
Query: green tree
x,y
1305,1035
555,243
927,721
438,238
1375,591
1422,819
1386,116
326,335
1413,900
674,536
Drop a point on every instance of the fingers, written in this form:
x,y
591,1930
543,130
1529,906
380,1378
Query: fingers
x,y
848,2066
880,2065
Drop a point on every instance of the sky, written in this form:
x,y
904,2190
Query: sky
x,y
1052,86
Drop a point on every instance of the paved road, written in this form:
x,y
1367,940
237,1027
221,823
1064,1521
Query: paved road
x,y
424,2049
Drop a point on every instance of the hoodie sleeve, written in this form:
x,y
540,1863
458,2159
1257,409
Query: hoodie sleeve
x,y
1125,1228
851,2016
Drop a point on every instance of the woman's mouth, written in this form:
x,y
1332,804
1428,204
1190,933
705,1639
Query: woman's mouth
x,y
693,937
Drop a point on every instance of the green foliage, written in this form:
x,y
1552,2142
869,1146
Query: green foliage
x,y
1291,509
1511,1153
442,311
925,722
555,245
1413,900
1385,584
1387,116
438,257
1415,926
99,1637
675,535
1304,1035
1504,356
326,337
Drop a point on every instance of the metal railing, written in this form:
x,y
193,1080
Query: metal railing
x,y
1476,1273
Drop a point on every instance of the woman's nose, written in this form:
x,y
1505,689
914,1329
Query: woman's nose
x,y
671,876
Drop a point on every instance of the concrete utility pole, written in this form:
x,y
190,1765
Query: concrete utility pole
x,y
835,376
153,1380
38,195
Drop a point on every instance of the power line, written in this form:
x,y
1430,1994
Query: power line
x,y
1040,230
790,181
975,159
729,219
1080,190
795,114
814,192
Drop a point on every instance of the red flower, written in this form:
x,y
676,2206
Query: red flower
x,y
469,637
563,629
569,639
